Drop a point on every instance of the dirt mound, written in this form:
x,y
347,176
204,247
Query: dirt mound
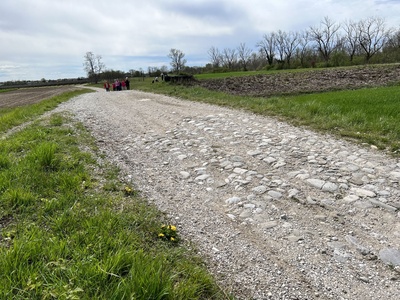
x,y
266,85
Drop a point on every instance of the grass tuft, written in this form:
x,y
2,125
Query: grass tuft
x,y
18,198
44,156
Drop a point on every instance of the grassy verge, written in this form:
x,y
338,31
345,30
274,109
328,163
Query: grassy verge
x,y
6,90
70,229
11,117
369,115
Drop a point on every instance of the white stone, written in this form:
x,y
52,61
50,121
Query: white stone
x,y
202,177
270,224
390,256
184,174
351,198
317,183
395,175
279,164
363,192
275,194
269,160
259,190
329,187
239,171
232,200
254,152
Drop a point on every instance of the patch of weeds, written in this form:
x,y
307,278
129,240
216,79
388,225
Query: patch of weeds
x,y
111,186
168,233
5,162
18,198
56,120
129,191
45,158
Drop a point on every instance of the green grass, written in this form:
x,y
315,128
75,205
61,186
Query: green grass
x,y
7,90
369,115
11,117
65,234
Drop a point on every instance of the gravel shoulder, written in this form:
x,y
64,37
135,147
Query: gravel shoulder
x,y
278,212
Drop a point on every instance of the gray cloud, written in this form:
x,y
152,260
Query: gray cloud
x,y
48,38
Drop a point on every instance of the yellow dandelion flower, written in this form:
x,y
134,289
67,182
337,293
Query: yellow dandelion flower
x,y
172,227
172,238
161,235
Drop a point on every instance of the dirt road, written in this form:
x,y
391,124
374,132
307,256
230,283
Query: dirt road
x,y
278,212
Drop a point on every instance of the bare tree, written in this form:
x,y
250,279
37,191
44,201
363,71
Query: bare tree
x,y
352,38
93,66
177,60
303,48
373,36
268,46
229,57
153,71
255,61
244,54
164,69
326,38
394,40
392,47
215,57
292,41
280,46
286,44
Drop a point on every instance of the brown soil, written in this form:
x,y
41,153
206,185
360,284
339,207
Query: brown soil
x,y
26,96
266,85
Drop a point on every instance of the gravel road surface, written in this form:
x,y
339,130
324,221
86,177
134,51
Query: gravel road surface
x,y
278,212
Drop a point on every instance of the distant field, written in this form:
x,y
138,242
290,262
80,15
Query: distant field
x,y
24,96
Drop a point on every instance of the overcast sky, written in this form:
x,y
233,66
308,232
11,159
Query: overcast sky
x,y
49,38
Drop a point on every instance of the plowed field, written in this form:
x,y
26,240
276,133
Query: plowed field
x,y
27,96
310,81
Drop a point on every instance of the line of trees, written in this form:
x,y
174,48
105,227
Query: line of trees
x,y
96,70
329,44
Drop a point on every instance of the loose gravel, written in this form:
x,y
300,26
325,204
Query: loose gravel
x,y
277,211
